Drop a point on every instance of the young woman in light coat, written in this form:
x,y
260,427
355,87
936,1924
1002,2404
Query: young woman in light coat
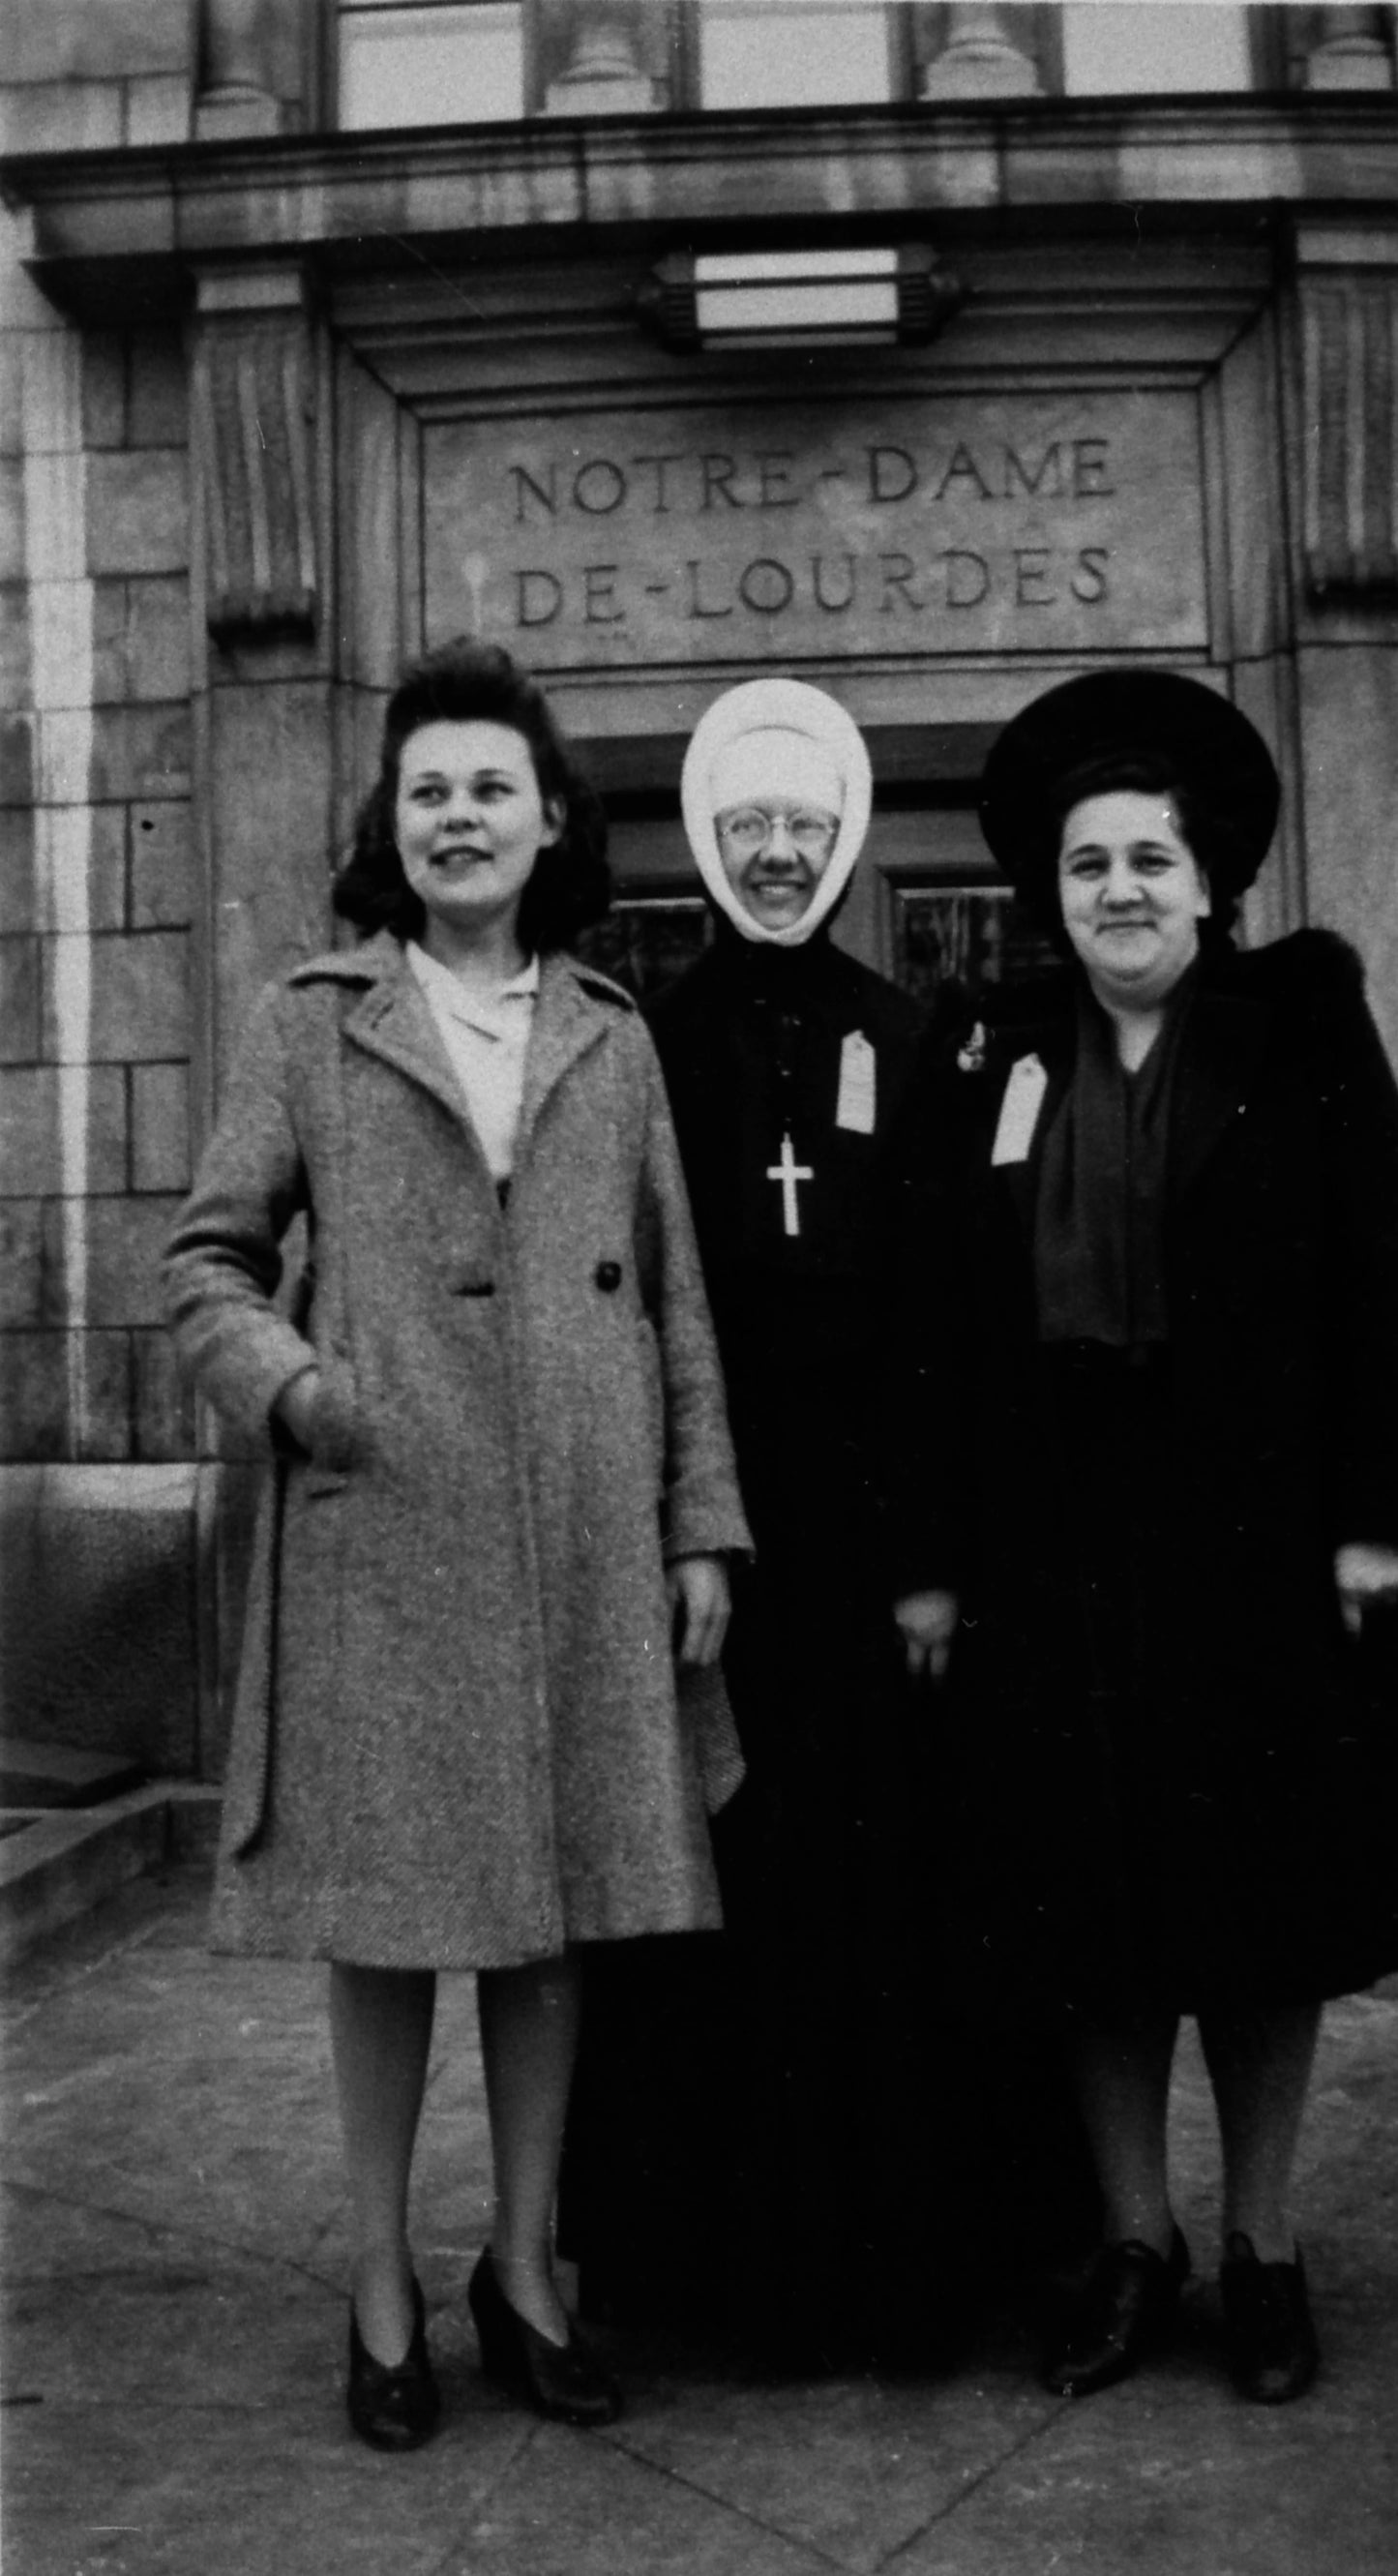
x,y
502,1483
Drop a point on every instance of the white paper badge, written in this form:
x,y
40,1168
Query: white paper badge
x,y
855,1106
1019,1110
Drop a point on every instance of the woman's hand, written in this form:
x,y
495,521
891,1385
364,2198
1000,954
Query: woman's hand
x,y
699,1598
1366,1573
295,1406
927,1624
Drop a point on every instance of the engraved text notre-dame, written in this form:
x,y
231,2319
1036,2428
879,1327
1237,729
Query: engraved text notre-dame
x,y
953,523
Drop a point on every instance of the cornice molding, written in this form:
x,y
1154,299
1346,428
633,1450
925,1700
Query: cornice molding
x,y
134,224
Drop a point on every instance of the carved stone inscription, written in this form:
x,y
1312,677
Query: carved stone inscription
x,y
813,530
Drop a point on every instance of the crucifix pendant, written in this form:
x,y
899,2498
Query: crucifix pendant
x,y
788,1171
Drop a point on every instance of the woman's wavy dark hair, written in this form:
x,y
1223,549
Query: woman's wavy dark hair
x,y
1204,830
469,683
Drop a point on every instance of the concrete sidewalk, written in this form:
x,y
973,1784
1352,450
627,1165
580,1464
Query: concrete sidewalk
x,y
176,2263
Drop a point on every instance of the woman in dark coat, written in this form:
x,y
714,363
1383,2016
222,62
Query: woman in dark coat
x,y
761,2125
1159,1225
502,1472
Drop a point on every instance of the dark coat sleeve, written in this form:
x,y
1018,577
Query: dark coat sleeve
x,y
702,1514
929,1365
223,1263
1359,1107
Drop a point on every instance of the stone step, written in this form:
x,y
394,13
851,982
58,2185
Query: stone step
x,y
55,1865
61,1775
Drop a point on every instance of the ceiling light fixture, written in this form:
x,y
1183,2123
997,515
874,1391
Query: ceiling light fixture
x,y
799,298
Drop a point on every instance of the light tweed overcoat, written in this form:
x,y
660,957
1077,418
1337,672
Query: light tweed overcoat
x,y
457,1739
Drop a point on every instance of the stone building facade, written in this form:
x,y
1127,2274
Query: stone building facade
x,y
929,350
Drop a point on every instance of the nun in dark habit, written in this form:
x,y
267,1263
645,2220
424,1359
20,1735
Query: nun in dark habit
x,y
764,2136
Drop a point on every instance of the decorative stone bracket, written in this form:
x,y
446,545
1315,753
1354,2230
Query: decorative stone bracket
x,y
254,381
1349,374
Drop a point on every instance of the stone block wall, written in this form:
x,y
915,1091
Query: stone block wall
x,y
97,1481
82,73
95,891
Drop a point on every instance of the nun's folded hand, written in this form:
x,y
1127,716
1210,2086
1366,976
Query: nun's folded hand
x,y
927,1624
1366,1573
699,1600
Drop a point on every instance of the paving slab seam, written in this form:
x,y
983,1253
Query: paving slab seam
x,y
454,2561
63,1977
739,2513
156,2227
971,2487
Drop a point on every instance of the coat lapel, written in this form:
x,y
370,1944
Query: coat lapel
x,y
394,1022
1223,1042
567,1022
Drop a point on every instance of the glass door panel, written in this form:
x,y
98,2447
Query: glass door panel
x,y
924,905
659,922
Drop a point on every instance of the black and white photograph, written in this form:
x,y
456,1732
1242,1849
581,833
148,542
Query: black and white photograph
x,y
699,1181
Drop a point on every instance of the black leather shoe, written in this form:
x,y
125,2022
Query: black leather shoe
x,y
1123,2311
393,2409
564,2381
1267,2323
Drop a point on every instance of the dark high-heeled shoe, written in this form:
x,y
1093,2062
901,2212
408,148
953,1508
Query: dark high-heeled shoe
x,y
564,2381
1267,2323
1123,2311
393,2409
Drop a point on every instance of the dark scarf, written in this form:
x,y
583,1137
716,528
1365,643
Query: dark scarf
x,y
1099,1220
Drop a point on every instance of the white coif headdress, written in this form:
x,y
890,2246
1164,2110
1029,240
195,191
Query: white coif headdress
x,y
776,738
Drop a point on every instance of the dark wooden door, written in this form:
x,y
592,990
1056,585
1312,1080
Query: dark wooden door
x,y
924,904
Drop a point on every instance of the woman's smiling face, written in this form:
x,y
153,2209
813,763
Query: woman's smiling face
x,y
1133,895
469,821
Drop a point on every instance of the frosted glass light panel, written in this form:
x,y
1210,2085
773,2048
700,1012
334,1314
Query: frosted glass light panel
x,y
1129,47
753,298
794,53
431,65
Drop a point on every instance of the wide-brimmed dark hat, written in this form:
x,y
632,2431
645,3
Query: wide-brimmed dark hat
x,y
1221,761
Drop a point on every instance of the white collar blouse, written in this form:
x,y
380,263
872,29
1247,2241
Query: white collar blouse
x,y
487,1039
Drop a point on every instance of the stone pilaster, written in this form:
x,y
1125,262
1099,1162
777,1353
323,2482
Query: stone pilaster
x,y
976,49
1344,364
599,57
260,455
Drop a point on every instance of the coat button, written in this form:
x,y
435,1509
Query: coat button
x,y
607,1276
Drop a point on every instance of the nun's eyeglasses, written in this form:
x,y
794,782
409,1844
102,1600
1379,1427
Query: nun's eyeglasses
x,y
747,830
